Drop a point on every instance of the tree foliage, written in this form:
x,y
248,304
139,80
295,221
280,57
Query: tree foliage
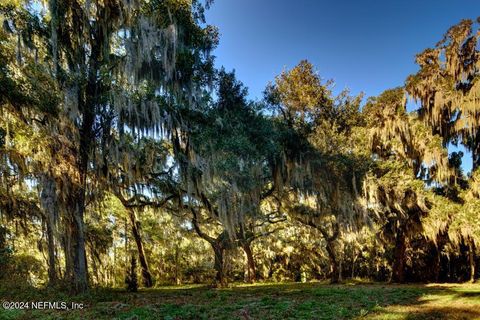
x,y
121,143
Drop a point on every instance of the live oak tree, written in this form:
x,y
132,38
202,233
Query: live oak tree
x,y
447,87
144,179
29,104
118,139
117,65
321,186
229,173
407,158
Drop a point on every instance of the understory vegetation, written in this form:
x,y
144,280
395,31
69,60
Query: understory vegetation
x,y
128,161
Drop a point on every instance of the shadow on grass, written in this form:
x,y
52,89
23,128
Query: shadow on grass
x,y
447,301
439,313
444,313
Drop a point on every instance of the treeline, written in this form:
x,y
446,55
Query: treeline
x,y
123,148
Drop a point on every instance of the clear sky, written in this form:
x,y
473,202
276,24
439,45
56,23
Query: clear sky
x,y
364,45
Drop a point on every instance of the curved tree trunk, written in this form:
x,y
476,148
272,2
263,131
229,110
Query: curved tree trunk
x,y
218,250
332,256
136,230
398,268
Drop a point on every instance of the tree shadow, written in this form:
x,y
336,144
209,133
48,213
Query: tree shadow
x,y
444,313
437,302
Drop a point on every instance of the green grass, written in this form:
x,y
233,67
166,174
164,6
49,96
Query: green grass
x,y
262,301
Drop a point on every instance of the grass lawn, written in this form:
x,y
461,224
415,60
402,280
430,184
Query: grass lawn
x,y
263,301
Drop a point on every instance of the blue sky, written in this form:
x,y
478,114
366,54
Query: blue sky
x,y
364,45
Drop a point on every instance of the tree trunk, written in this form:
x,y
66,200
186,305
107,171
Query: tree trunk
x,y
219,265
218,250
251,272
340,270
52,271
48,199
79,274
354,260
112,276
136,230
332,257
398,268
471,258
437,265
94,267
177,273
87,106
441,240
334,273
66,246
80,277
437,260
475,152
